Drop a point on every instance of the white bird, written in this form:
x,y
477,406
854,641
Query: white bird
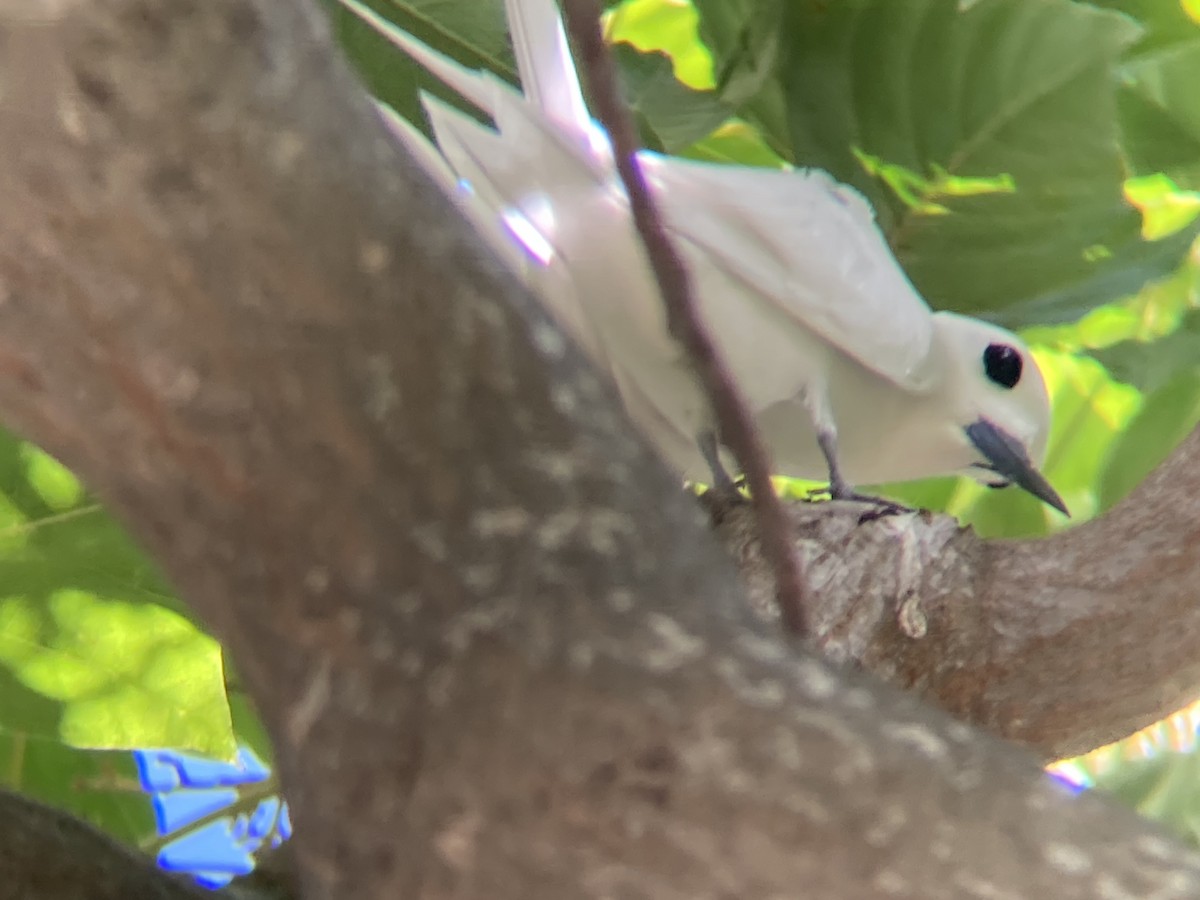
x,y
846,369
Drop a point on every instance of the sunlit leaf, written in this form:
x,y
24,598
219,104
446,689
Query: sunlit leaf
x,y
669,26
1165,208
1162,788
1156,311
982,91
95,650
735,143
921,193
52,481
119,675
1167,416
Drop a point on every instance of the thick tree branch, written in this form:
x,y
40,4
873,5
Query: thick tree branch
x,y
498,652
1061,644
48,855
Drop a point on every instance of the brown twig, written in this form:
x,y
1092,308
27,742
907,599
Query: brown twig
x,y
736,427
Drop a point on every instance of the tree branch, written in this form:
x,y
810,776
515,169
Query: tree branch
x,y
1062,644
496,648
49,855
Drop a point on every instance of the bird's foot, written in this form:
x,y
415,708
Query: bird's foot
x,y
882,506
719,500
727,492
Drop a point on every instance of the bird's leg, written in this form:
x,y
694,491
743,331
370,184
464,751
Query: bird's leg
x,y
839,489
722,483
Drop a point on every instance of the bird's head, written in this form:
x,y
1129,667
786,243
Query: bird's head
x,y
1000,399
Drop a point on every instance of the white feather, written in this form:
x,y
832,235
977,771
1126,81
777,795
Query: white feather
x,y
810,246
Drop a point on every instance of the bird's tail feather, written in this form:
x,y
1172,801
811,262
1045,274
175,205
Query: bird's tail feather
x,y
544,63
510,180
547,123
479,206
474,86
480,213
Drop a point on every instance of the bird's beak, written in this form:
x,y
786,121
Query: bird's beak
x,y
1010,460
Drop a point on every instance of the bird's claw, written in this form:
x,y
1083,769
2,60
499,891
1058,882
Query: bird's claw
x,y
884,509
729,493
883,506
720,500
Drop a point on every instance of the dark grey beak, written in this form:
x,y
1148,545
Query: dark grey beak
x,y
1008,459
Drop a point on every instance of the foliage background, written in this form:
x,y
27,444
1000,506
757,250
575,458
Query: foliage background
x,y
1034,162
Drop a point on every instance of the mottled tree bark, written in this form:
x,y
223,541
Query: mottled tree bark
x,y
48,855
498,650
1062,644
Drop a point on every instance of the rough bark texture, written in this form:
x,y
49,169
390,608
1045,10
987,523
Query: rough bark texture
x,y
49,855
1061,644
498,650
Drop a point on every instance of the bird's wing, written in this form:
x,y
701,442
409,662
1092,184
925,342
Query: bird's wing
x,y
809,246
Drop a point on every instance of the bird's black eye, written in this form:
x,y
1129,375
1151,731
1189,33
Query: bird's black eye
x,y
1002,362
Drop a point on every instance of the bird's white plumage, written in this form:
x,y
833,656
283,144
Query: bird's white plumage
x,y
750,222
814,317
548,78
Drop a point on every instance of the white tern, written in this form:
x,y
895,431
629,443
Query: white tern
x,y
846,369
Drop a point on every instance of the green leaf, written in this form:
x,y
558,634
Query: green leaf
x,y
1165,208
1162,788
1163,22
95,651
475,34
117,675
1090,411
676,114
1160,108
737,143
248,726
665,25
1151,364
51,480
1012,92
1154,312
744,37
1167,416
1161,113
1155,137
100,787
